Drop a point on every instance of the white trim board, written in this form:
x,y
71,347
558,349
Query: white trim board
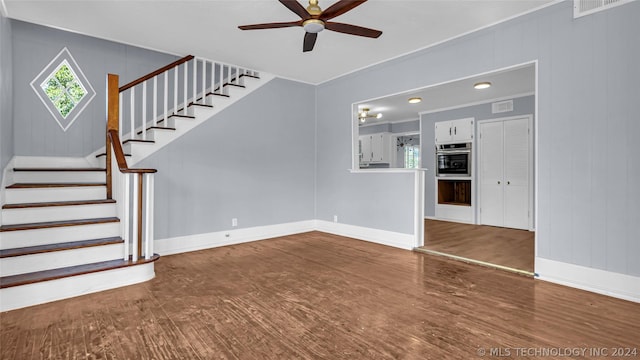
x,y
384,237
176,245
603,282
181,244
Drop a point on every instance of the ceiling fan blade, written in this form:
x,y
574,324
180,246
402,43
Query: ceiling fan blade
x,y
309,41
298,9
352,29
270,25
339,8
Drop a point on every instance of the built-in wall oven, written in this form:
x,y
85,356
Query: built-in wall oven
x,y
453,160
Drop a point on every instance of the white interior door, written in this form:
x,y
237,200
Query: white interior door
x,y
491,161
516,173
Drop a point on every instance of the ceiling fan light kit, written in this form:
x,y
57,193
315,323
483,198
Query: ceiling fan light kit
x,y
314,20
313,26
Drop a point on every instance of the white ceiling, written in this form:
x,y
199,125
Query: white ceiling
x,y
504,84
208,28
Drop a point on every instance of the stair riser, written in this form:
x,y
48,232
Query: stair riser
x,y
57,213
39,293
21,196
58,259
130,148
35,237
40,177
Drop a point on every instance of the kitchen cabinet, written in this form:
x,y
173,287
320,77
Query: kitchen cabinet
x,y
505,173
454,131
454,200
375,148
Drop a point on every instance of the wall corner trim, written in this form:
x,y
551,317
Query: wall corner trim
x,y
603,282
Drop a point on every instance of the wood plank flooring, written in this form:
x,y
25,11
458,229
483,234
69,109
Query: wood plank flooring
x,y
501,246
318,296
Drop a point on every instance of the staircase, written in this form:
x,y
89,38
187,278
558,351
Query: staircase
x,y
60,236
64,222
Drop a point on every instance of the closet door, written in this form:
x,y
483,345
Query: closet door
x,y
491,173
516,173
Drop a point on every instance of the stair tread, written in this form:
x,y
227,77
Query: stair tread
x,y
157,127
105,154
58,203
50,185
182,116
51,224
236,85
251,76
218,94
203,105
29,250
46,275
59,169
138,141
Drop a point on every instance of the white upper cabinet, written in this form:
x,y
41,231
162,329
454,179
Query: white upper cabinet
x,y
454,131
375,148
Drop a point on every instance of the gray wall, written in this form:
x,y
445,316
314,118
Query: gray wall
x,y
253,161
588,110
6,93
521,106
36,133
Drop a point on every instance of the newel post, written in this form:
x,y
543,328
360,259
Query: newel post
x,y
113,115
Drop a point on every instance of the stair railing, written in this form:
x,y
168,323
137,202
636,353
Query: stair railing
x,y
132,188
146,103
152,100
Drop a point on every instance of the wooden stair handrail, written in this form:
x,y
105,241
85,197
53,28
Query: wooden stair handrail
x,y
155,73
120,159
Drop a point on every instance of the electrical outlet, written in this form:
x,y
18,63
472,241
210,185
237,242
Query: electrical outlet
x,y
234,222
335,218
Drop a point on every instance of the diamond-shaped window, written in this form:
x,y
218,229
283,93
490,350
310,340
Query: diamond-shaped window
x,y
63,89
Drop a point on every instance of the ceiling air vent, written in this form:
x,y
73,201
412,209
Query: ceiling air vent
x,y
587,7
502,106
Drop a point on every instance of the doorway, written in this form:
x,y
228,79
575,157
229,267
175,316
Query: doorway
x,y
499,247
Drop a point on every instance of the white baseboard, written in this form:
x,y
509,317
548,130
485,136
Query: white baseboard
x,y
223,238
195,242
43,292
603,282
389,238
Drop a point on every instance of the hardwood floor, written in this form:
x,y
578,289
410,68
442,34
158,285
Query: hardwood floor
x,y
511,248
319,296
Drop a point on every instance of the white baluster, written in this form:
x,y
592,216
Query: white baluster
x,y
131,121
228,78
120,108
155,101
144,110
134,216
148,218
204,81
186,86
213,80
195,79
175,90
166,97
124,178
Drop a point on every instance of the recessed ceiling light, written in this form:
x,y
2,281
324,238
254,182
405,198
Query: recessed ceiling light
x,y
415,100
482,85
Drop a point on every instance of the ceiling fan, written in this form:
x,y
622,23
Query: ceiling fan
x,y
314,20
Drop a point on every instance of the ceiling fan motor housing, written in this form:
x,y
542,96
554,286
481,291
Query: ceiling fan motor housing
x,y
313,26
